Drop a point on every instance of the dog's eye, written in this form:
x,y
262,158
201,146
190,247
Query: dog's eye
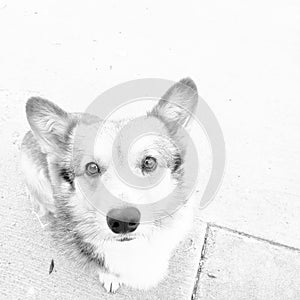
x,y
149,164
92,169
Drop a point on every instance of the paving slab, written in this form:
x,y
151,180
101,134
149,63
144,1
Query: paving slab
x,y
237,266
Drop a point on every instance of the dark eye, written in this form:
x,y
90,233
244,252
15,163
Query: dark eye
x,y
92,169
149,164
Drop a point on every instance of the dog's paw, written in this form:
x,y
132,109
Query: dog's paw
x,y
109,281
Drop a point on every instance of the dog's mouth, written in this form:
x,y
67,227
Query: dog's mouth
x,y
125,238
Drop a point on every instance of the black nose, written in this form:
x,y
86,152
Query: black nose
x,y
123,220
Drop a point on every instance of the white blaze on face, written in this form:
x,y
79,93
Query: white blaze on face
x,y
104,143
125,192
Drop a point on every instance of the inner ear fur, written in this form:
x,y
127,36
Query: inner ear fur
x,y
178,104
50,124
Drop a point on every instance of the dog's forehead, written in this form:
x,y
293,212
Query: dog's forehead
x,y
119,134
107,132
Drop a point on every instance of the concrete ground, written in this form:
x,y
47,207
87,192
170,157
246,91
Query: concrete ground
x,y
244,57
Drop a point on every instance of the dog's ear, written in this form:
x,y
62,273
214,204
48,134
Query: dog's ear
x,y
50,124
178,103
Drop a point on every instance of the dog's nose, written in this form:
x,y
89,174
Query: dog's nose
x,y
123,220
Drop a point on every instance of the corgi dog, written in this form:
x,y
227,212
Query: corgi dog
x,y
60,171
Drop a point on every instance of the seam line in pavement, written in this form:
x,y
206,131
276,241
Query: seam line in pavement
x,y
253,237
201,262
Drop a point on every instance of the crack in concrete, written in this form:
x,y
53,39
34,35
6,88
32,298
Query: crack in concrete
x,y
201,262
209,226
253,237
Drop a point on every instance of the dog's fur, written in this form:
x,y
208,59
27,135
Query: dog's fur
x,y
53,164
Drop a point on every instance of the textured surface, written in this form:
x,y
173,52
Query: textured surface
x,y
235,266
244,57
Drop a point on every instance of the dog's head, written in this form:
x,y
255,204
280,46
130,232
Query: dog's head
x,y
81,175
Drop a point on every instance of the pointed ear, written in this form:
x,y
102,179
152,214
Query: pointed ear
x,y
50,124
178,103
